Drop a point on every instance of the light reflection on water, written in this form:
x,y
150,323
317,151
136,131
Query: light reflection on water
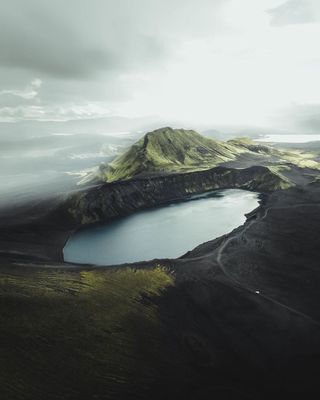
x,y
164,232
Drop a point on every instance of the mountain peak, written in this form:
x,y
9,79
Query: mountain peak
x,y
168,150
165,129
168,132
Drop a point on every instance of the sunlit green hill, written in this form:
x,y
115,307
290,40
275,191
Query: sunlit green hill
x,y
169,150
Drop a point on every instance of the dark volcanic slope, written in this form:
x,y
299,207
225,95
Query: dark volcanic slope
x,y
261,284
124,197
236,318
41,230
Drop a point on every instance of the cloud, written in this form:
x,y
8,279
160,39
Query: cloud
x,y
218,60
295,12
83,51
11,98
75,40
66,112
28,93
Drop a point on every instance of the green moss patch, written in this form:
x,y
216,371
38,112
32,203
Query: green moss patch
x,y
74,335
168,150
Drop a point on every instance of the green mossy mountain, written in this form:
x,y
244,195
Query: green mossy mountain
x,y
169,150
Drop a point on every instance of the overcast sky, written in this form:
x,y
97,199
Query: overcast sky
x,y
252,62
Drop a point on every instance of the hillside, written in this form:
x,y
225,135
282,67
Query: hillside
x,y
235,318
168,150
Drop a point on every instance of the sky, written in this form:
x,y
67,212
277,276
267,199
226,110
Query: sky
x,y
234,62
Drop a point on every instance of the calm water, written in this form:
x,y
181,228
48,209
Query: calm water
x,y
169,231
289,138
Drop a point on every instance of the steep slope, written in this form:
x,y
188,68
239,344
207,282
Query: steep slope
x,y
41,230
112,200
168,150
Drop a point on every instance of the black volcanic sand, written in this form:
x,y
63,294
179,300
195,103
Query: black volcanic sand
x,y
236,318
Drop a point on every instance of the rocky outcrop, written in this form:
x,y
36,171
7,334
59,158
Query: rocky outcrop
x,y
40,231
125,197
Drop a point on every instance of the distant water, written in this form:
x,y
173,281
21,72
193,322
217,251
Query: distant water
x,y
289,138
164,232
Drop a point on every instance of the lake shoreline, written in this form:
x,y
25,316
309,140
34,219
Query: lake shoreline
x,y
39,231
228,313
156,232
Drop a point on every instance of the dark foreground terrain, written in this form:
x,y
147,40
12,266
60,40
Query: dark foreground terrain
x,y
236,318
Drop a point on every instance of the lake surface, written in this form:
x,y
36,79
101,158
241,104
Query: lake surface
x,y
165,232
289,138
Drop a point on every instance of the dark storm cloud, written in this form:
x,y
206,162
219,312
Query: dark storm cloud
x,y
77,39
64,39
295,12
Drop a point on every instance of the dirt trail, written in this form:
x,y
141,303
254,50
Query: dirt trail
x,y
222,248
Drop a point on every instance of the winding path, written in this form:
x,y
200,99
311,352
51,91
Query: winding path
x,y
221,265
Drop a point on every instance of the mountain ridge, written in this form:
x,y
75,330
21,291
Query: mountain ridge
x,y
167,150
